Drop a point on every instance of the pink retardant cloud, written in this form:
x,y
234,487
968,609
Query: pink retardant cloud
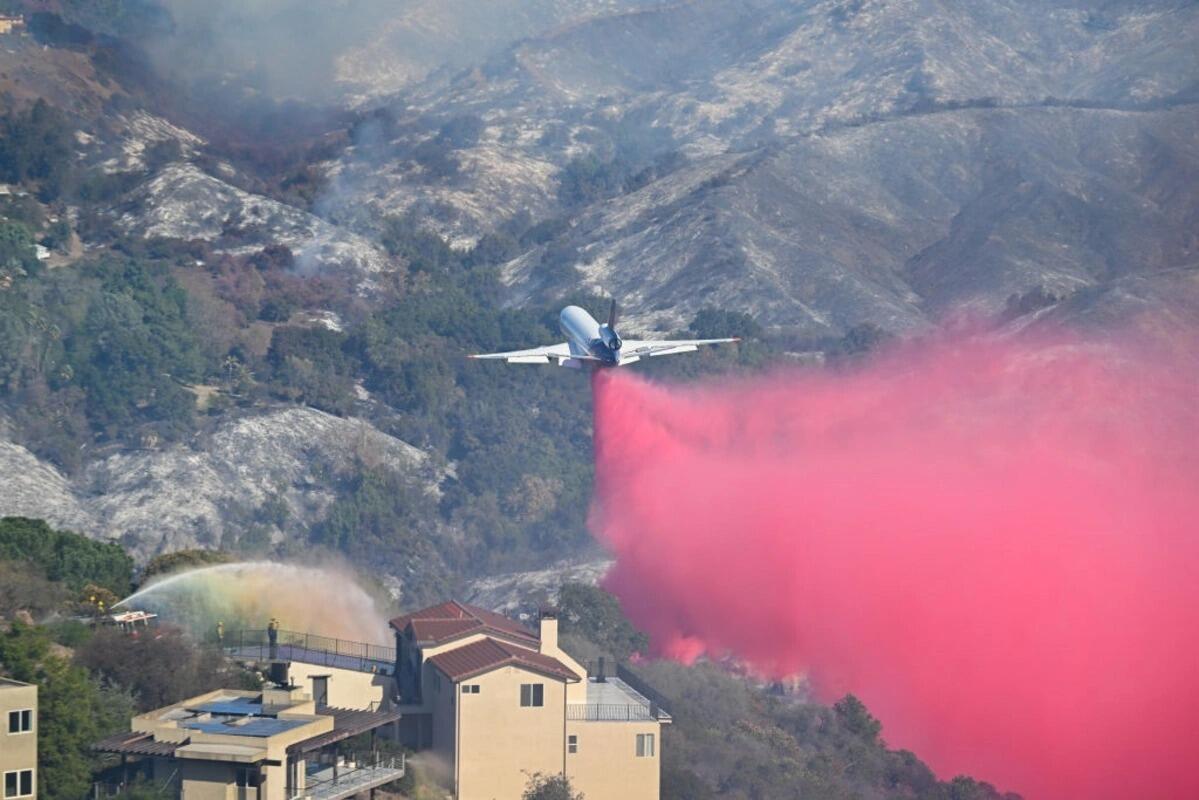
x,y
994,543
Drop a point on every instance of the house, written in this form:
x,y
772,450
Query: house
x,y
497,702
18,739
275,744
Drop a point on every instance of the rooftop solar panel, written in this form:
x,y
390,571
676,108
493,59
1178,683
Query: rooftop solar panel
x,y
237,706
260,728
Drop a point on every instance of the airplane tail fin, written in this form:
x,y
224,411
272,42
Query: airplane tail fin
x,y
612,314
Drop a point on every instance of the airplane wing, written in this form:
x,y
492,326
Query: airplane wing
x,y
645,348
536,355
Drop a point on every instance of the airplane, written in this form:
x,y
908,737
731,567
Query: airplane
x,y
590,343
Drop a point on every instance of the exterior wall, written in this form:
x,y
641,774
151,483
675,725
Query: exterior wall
x,y
575,692
18,751
414,677
347,688
440,696
205,780
501,743
606,766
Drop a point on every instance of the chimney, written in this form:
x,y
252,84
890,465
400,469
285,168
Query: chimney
x,y
601,677
549,631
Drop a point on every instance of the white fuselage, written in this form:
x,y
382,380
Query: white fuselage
x,y
588,337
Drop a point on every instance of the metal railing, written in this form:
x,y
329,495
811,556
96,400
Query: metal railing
x,y
603,669
635,682
309,648
608,712
346,781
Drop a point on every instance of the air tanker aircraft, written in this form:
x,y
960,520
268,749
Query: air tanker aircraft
x,y
590,343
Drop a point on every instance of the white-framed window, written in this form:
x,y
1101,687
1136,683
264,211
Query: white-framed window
x,y
572,744
20,721
470,688
532,695
18,783
645,745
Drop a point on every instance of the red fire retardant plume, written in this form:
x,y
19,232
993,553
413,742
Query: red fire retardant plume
x,y
994,544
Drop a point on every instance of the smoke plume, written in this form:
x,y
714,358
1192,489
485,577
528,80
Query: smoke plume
x,y
992,542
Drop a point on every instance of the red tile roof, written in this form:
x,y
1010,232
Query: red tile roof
x,y
486,655
453,620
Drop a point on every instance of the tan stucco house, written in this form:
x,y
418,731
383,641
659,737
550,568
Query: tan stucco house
x,y
496,703
18,739
239,745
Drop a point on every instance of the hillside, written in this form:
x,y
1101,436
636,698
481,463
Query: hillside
x,y
264,266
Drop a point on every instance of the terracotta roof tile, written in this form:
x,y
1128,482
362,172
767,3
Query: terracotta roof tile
x,y
451,620
485,655
439,630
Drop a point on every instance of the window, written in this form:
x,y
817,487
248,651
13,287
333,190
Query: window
x,y
645,745
18,783
20,721
572,744
470,688
532,694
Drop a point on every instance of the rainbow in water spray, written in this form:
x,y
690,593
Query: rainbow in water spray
x,y
248,594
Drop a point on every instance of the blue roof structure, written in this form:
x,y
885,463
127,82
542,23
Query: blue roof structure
x,y
237,706
260,728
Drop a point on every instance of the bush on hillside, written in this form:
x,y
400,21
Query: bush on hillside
x,y
65,556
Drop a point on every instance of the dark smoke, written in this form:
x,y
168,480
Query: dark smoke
x,y
993,543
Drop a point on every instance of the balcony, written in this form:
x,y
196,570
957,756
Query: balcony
x,y
342,781
614,700
309,648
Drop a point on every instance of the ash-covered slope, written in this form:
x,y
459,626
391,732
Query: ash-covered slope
x,y
183,202
827,183
275,469
899,222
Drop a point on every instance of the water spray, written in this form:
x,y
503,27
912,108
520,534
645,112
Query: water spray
x,y
248,594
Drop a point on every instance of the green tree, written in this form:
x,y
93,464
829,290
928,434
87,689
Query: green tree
x,y
36,147
713,323
65,556
24,587
71,711
157,670
134,348
858,340
550,787
17,249
592,613
857,719
183,560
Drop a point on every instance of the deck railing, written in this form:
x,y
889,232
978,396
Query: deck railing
x,y
607,668
309,648
346,781
608,712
